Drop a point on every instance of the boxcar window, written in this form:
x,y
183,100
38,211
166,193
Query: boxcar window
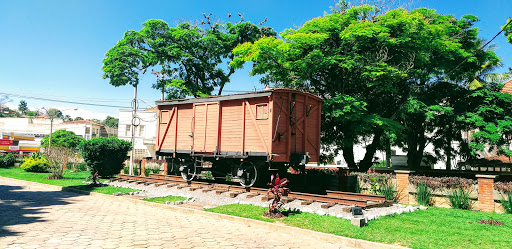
x,y
262,111
165,117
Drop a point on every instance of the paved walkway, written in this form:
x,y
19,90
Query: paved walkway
x,y
35,217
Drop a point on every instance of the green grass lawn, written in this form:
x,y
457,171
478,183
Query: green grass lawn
x,y
432,228
165,199
71,179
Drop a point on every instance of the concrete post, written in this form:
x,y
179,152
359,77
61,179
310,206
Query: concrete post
x,y
143,167
166,166
402,182
485,192
65,162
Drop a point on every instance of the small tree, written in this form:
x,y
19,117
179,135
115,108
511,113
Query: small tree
x,y
22,107
105,156
63,138
55,158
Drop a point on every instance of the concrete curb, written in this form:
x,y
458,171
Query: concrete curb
x,y
350,242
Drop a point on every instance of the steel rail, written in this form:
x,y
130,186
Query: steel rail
x,y
331,197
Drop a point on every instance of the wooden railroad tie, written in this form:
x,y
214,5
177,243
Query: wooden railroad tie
x,y
147,183
266,198
220,191
234,194
251,195
206,190
158,184
113,179
131,181
194,188
306,202
139,182
327,205
181,186
171,185
287,199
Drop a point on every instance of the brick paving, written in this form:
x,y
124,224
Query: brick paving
x,y
36,217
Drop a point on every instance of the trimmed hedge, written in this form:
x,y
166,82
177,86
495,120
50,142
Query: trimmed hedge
x,y
105,155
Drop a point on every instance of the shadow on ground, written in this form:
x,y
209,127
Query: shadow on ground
x,y
18,206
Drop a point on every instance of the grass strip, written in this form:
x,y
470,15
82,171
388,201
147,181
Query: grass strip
x,y
165,199
71,179
432,228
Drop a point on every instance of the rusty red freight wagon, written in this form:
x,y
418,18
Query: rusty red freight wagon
x,y
247,135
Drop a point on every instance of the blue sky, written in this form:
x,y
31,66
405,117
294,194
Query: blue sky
x,y
54,49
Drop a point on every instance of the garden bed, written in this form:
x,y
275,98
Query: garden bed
x,y
70,179
432,228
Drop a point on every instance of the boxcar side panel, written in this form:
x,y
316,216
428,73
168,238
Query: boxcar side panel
x,y
184,128
280,124
231,126
165,121
257,120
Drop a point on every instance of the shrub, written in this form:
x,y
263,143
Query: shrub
x,y
503,187
388,190
35,163
81,167
55,158
147,171
459,198
424,195
126,170
507,202
7,160
277,189
105,155
443,182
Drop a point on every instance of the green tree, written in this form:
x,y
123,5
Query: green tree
x,y
63,138
54,113
370,69
194,59
105,155
22,107
79,118
111,122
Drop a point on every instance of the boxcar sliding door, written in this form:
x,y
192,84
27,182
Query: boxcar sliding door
x,y
206,125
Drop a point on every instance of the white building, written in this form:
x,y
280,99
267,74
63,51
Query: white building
x,y
145,131
40,127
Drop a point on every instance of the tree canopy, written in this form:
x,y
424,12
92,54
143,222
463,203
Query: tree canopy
x,y
194,59
22,107
377,73
63,138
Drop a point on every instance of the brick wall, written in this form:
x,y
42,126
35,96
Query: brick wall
x,y
402,182
485,192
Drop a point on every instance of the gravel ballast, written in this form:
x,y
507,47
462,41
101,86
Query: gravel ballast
x,y
212,199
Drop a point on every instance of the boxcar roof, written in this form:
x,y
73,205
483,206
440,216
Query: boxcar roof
x,y
263,93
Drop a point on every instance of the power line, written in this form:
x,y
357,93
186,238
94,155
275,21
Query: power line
x,y
61,101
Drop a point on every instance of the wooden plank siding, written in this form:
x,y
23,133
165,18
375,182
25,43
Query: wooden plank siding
x,y
260,124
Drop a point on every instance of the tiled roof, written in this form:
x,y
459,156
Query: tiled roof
x,y
152,109
507,87
82,122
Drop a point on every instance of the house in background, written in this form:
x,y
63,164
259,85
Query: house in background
x,y
40,127
144,131
84,128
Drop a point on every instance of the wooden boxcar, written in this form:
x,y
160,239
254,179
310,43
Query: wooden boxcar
x,y
244,134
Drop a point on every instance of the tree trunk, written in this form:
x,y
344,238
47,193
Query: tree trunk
x,y
367,162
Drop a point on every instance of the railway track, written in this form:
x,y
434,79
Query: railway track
x,y
329,199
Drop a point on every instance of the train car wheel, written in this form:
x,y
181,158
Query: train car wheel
x,y
248,173
187,169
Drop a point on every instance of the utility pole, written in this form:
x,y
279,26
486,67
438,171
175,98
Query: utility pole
x,y
159,77
134,116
